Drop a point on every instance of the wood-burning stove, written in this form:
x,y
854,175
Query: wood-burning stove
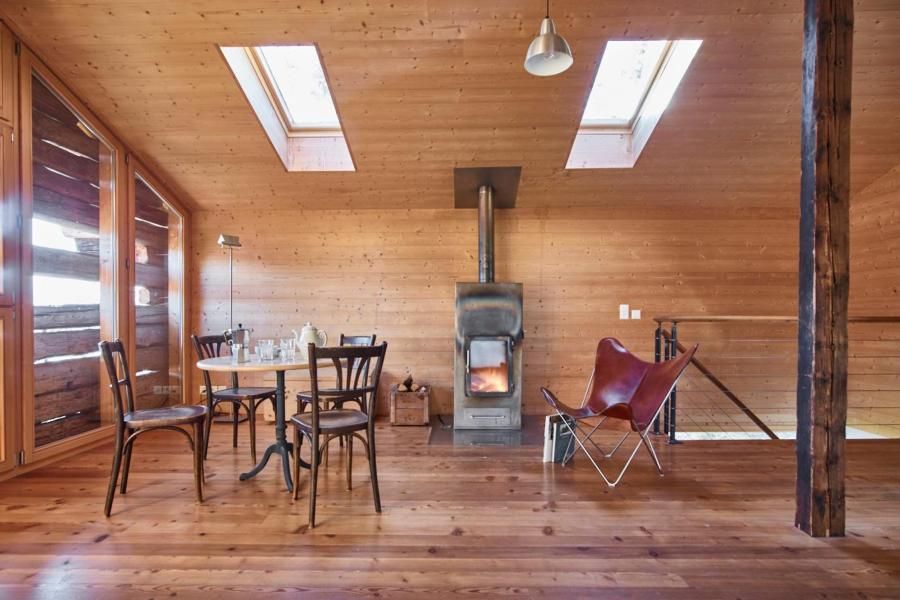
x,y
487,387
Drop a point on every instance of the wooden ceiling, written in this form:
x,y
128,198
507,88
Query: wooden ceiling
x,y
424,86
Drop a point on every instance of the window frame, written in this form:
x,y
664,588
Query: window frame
x,y
113,315
618,125
273,91
622,125
137,169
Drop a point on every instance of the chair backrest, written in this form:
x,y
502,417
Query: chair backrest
x,y
622,379
357,340
113,354
352,364
210,346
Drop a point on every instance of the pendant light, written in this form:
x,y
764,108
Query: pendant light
x,y
549,53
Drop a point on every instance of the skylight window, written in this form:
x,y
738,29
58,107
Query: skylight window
x,y
287,88
634,84
623,79
297,80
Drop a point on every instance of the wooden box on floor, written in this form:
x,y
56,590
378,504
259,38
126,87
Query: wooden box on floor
x,y
410,408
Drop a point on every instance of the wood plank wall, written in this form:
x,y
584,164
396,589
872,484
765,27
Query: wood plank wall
x,y
875,290
393,273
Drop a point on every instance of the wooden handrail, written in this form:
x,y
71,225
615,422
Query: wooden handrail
x,y
768,318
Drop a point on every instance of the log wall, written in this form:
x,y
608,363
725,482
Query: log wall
x,y
66,192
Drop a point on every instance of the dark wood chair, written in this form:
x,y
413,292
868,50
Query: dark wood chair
x,y
248,398
131,423
319,426
303,398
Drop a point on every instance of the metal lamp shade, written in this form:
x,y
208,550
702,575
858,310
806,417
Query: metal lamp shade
x,y
549,53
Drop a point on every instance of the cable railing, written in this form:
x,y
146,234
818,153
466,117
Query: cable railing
x,y
747,376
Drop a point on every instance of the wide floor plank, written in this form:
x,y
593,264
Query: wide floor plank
x,y
457,522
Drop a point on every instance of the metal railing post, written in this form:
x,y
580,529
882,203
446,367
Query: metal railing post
x,y
657,352
667,348
673,341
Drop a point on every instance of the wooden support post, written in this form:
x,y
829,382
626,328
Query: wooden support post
x,y
824,266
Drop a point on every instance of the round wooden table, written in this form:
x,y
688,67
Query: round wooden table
x,y
281,446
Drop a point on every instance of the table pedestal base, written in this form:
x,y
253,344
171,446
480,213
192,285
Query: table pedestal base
x,y
281,447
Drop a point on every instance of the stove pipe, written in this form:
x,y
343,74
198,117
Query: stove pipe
x,y
486,234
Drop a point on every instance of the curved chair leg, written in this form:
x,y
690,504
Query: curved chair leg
x,y
251,417
114,475
349,461
313,479
198,458
208,427
235,416
373,472
126,467
298,441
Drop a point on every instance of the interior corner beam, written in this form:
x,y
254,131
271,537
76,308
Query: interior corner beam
x,y
824,278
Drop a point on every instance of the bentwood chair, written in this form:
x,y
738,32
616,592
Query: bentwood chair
x,y
247,398
131,423
624,387
319,426
303,398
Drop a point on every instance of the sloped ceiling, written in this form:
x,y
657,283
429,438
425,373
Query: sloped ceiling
x,y
424,86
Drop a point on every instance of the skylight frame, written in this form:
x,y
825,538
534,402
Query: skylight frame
x,y
273,91
623,125
614,147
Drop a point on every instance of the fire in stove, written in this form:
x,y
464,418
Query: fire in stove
x,y
488,361
490,380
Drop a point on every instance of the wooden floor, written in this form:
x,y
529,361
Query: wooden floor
x,y
457,522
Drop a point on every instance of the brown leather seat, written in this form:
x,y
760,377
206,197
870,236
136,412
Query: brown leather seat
x,y
170,415
623,387
333,421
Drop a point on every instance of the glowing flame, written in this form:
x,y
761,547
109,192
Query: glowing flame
x,y
489,379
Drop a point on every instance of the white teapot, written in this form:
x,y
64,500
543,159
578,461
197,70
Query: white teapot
x,y
309,335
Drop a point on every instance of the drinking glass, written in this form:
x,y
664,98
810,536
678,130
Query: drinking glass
x,y
287,348
267,349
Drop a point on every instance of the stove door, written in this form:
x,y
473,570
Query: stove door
x,y
489,366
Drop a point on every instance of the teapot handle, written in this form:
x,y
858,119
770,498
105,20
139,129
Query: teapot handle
x,y
324,337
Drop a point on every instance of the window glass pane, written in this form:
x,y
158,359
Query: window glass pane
x,y
71,258
489,366
300,83
157,299
626,72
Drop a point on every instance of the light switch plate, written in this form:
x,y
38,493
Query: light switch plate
x,y
623,311
635,313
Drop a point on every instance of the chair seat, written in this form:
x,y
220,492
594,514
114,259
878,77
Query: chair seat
x,y
244,393
331,395
333,421
167,415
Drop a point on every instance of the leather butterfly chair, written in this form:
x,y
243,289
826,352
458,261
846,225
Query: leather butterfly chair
x,y
248,398
321,426
131,423
624,387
